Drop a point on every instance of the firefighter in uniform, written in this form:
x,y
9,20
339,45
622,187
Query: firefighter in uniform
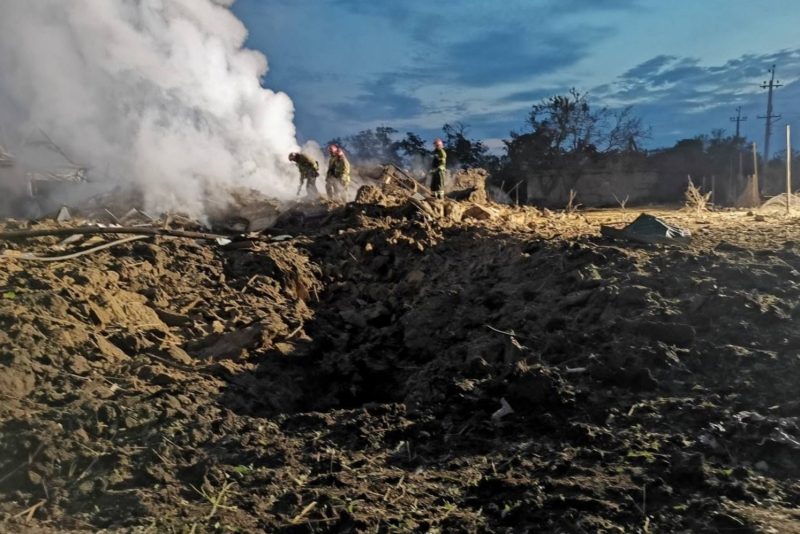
x,y
309,170
337,181
438,169
329,179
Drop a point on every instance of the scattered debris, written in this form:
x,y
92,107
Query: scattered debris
x,y
649,230
481,213
339,370
91,230
27,256
505,409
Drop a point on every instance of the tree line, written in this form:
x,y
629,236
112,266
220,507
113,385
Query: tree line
x,y
564,137
382,145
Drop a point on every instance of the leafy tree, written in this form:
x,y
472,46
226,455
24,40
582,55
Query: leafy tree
x,y
412,147
567,136
714,155
723,152
370,146
380,146
466,153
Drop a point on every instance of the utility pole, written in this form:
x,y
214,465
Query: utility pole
x,y
755,168
788,169
737,119
772,84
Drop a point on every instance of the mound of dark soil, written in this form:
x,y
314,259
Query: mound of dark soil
x,y
351,380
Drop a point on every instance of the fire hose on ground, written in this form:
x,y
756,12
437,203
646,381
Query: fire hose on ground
x,y
140,233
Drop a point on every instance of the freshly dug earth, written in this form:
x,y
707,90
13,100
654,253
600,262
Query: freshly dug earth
x,y
345,380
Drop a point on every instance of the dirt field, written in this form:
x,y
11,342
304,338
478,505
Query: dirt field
x,y
346,380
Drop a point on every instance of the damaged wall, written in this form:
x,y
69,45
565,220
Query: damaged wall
x,y
597,188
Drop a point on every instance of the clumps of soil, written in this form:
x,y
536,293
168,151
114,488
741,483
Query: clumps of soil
x,y
470,184
350,379
370,194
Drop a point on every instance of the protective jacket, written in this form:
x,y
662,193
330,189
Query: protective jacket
x,y
342,169
438,170
307,165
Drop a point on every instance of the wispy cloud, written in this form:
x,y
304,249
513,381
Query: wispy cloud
x,y
380,100
508,56
684,97
485,63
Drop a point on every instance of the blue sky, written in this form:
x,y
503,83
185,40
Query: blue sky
x,y
685,65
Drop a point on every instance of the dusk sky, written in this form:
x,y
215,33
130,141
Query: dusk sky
x,y
686,65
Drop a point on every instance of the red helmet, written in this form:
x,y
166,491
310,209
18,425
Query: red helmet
x,y
438,143
333,149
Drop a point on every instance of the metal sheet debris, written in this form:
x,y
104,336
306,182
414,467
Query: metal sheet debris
x,y
650,230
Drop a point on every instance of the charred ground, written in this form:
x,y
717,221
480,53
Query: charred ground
x,y
345,380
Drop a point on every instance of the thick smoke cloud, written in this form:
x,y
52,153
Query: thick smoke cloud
x,y
161,93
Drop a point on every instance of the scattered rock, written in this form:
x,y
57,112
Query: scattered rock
x,y
354,318
16,383
532,388
633,295
454,211
639,379
725,246
79,365
157,375
178,355
576,299
415,277
369,194
285,349
173,319
106,413
680,335
480,213
478,368
234,344
34,477
110,352
688,469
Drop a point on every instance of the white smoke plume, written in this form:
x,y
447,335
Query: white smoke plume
x,y
161,93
